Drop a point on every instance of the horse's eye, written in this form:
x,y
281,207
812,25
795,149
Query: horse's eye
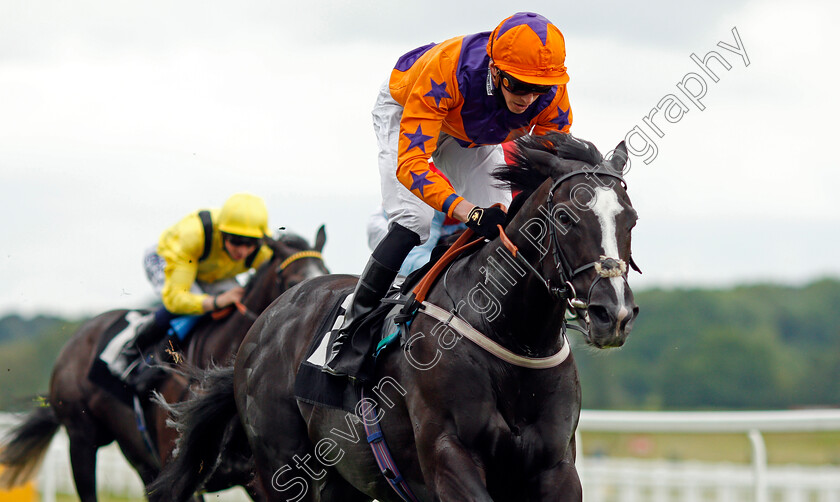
x,y
564,219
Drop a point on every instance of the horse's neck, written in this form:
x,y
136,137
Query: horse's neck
x,y
224,336
503,299
262,292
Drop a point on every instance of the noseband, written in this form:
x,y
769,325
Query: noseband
x,y
605,266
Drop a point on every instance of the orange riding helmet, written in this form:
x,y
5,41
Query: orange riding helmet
x,y
530,48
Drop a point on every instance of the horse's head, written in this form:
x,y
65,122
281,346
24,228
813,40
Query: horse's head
x,y
579,219
295,261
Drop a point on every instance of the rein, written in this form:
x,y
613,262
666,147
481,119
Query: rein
x,y
222,313
250,314
462,327
605,266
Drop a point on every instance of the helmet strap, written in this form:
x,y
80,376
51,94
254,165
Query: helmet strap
x,y
491,84
493,79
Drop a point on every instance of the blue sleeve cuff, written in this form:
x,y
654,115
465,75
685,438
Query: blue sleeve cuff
x,y
448,202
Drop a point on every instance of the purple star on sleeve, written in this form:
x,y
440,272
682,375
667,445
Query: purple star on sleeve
x,y
562,119
438,92
417,139
419,181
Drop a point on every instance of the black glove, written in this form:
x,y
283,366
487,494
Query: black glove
x,y
484,221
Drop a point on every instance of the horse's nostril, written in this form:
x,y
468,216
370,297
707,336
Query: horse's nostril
x,y
599,313
627,322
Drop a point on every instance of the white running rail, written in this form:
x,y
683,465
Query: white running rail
x,y
604,479
736,483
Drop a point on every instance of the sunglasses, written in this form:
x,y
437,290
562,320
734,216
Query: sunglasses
x,y
520,88
241,240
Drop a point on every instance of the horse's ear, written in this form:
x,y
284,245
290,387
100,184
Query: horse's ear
x,y
618,159
320,239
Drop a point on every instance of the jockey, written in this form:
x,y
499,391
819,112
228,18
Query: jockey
x,y
455,102
441,226
196,273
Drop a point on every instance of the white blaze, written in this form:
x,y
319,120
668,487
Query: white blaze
x,y
606,207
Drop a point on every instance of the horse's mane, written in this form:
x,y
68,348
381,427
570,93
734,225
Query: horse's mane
x,y
293,241
527,171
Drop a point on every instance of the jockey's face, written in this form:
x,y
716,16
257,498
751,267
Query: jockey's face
x,y
518,95
518,103
239,251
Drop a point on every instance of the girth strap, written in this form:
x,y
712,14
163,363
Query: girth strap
x,y
381,453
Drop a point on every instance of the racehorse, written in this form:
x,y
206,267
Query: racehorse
x,y
94,418
490,418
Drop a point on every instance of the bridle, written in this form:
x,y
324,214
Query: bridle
x,y
605,266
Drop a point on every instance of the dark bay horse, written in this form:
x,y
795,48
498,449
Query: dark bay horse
x,y
94,418
463,422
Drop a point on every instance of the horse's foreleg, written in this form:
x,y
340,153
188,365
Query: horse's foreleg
x,y
456,475
83,462
560,484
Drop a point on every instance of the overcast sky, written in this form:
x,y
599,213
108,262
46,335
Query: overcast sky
x,y
117,118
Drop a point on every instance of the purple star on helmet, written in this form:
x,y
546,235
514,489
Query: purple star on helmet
x,y
418,139
562,119
438,91
535,21
419,181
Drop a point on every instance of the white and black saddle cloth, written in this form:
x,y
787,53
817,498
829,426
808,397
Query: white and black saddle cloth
x,y
121,333
314,386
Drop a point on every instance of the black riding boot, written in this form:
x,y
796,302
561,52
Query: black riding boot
x,y
347,356
147,335
148,372
122,365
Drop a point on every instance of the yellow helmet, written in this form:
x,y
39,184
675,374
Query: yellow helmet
x,y
244,214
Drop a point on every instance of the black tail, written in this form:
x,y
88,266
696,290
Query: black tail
x,y
22,450
201,423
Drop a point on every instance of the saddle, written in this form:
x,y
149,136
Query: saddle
x,y
385,326
140,375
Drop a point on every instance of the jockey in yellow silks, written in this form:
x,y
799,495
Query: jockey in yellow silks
x,y
236,247
194,267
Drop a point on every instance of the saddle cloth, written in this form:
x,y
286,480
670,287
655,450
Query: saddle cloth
x,y
314,386
317,387
111,343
